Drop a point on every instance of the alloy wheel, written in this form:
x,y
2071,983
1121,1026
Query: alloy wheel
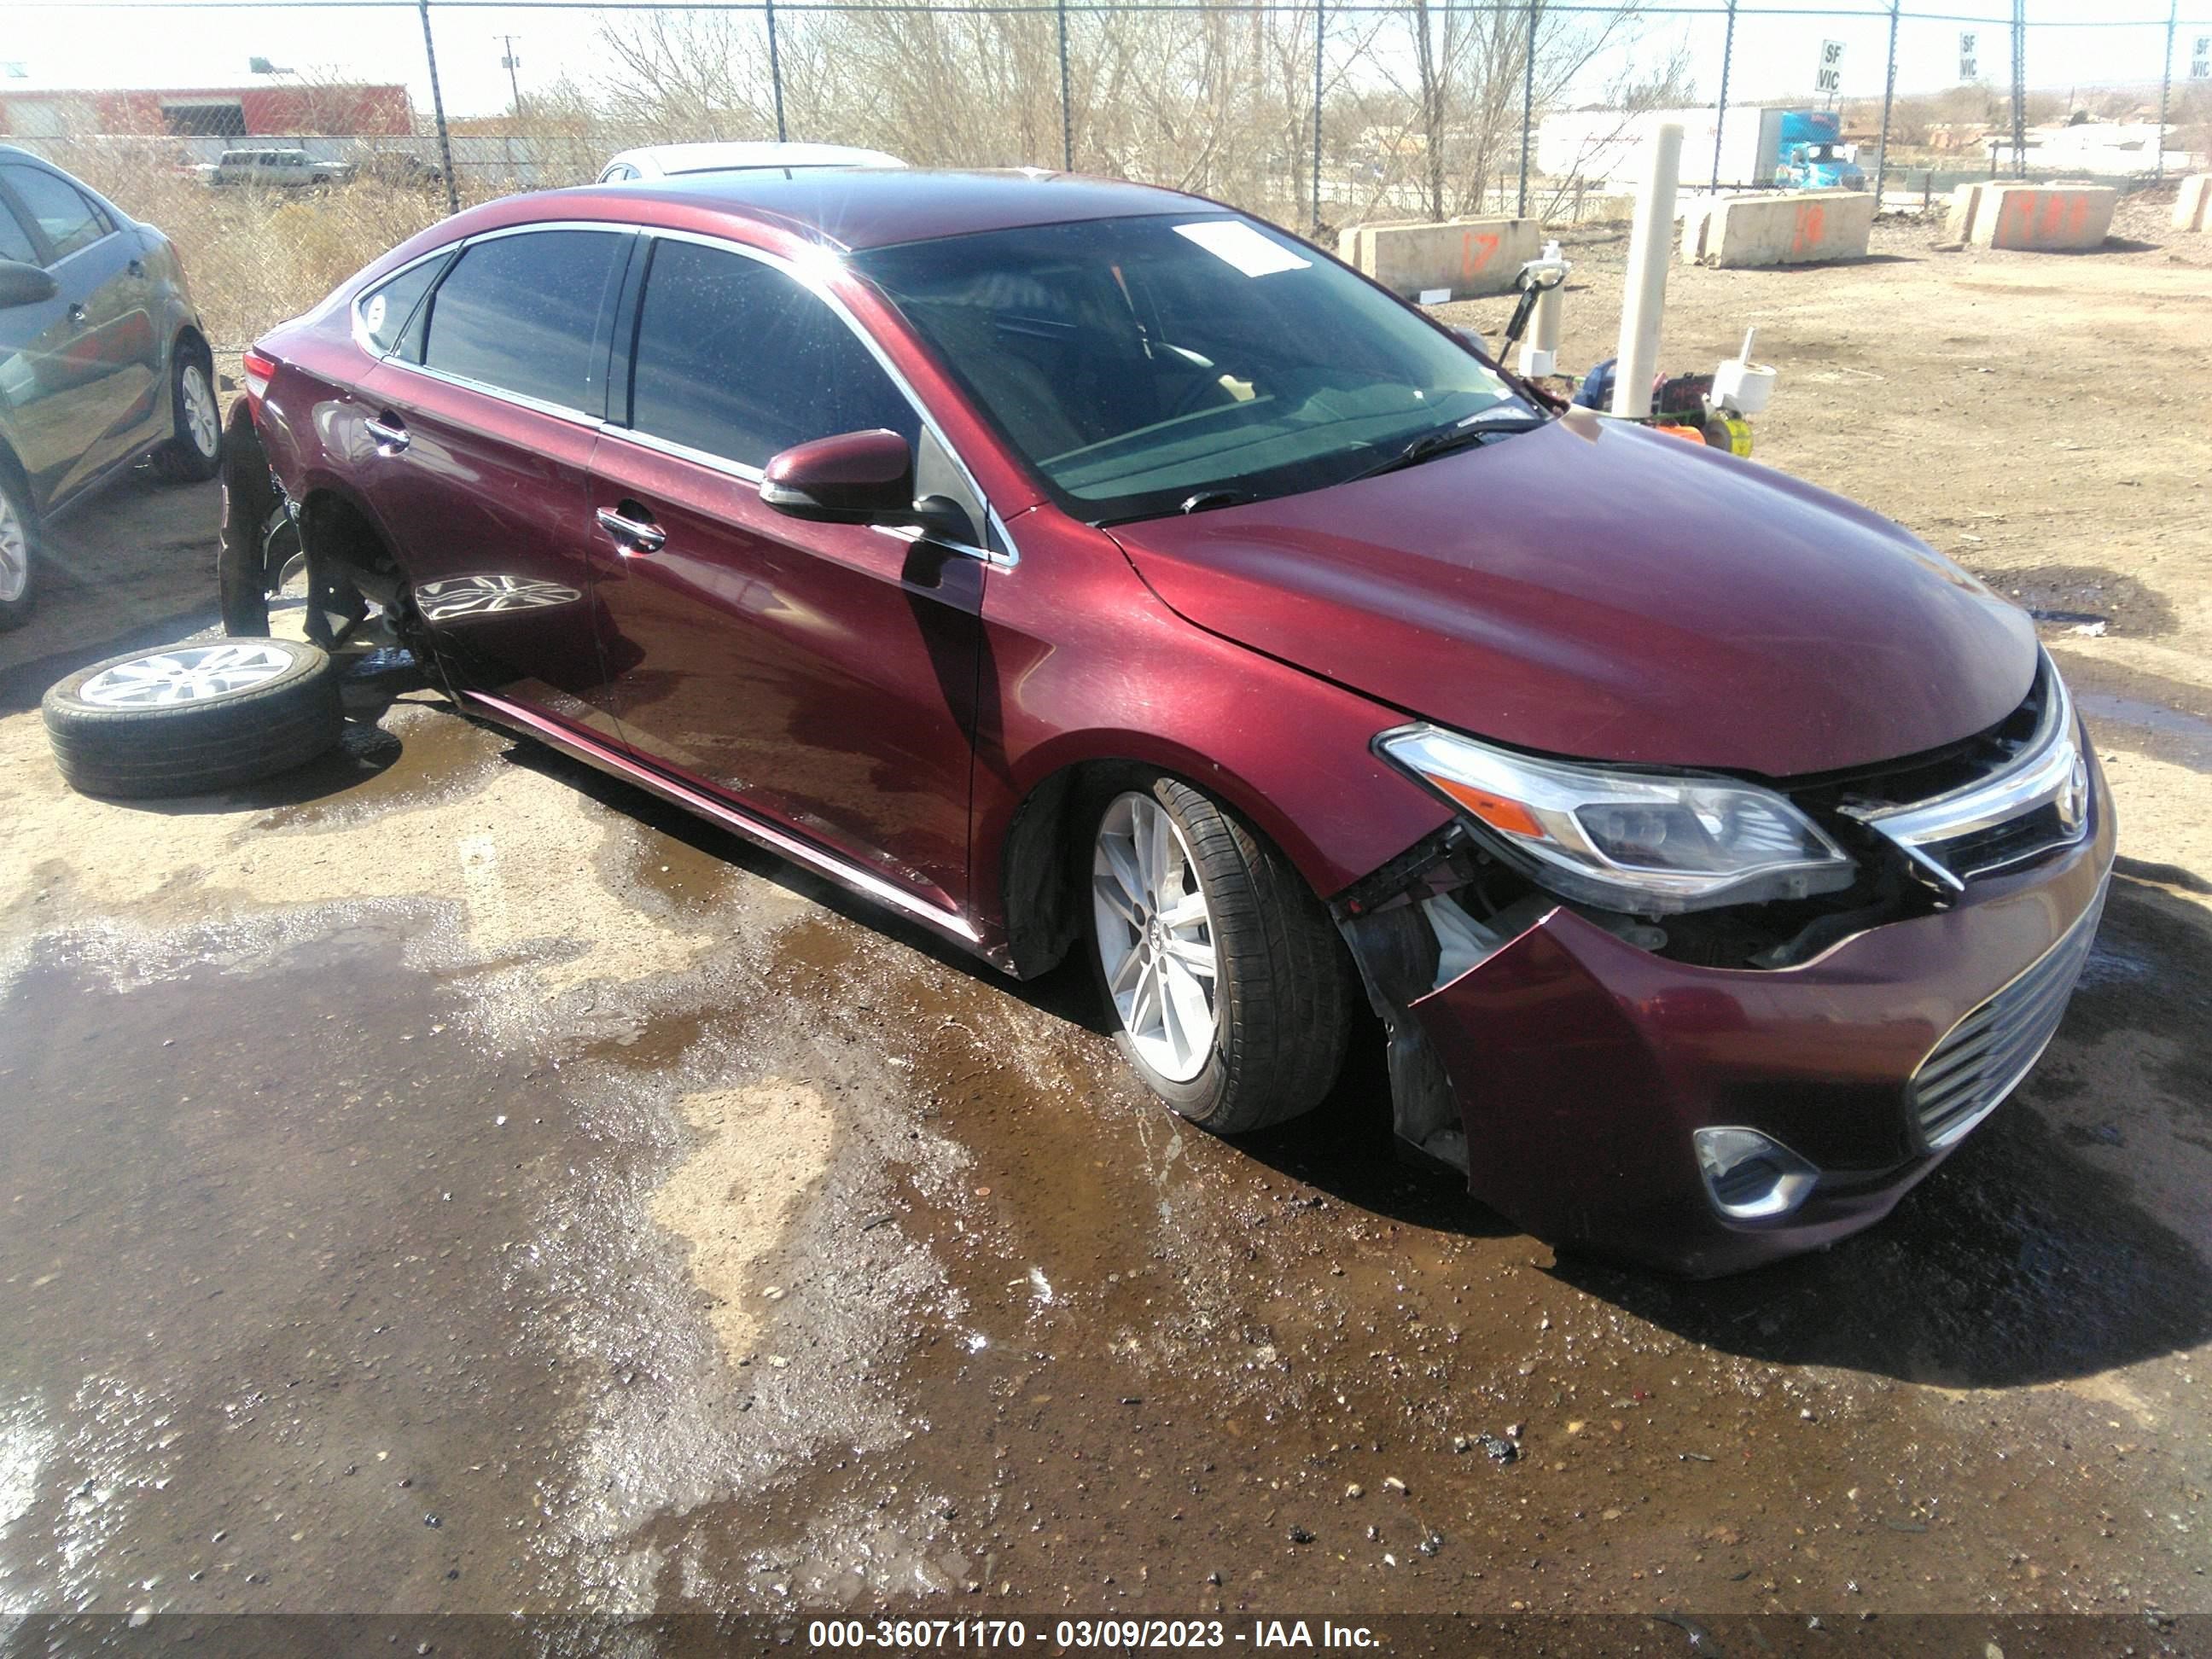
x,y
185,674
1155,936
15,553
203,419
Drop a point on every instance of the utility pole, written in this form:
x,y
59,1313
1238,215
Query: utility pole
x,y
510,63
438,108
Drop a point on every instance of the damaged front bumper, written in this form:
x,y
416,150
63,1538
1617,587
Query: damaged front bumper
x,y
1569,1070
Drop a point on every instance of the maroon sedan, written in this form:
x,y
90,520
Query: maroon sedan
x,y
1076,566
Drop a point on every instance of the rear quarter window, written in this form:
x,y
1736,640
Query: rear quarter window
x,y
393,314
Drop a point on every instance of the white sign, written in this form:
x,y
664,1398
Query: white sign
x,y
1240,246
1830,81
1970,63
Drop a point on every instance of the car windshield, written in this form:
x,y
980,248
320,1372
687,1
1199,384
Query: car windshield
x,y
1148,365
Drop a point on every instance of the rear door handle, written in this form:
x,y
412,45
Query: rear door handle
x,y
77,313
137,267
389,434
633,535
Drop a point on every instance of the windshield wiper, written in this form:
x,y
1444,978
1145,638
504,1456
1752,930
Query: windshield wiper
x,y
1444,439
1206,499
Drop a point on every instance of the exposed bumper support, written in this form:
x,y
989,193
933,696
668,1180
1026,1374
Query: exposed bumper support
x,y
1579,1065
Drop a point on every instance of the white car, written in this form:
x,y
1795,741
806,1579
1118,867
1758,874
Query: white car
x,y
667,161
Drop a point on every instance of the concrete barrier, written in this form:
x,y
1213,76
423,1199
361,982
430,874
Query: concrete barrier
x,y
1455,261
1802,228
2038,218
2192,208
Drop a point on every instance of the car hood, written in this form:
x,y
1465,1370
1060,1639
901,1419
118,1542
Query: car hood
x,y
1594,589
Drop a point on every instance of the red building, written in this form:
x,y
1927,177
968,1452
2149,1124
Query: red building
x,y
281,109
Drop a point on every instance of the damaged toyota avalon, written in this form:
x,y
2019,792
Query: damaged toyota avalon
x,y
1081,568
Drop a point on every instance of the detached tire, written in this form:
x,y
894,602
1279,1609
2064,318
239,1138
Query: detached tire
x,y
1228,986
193,719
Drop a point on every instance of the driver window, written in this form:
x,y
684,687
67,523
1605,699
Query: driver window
x,y
737,359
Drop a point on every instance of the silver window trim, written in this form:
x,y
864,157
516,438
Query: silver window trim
x,y
751,474
821,290
2047,769
519,399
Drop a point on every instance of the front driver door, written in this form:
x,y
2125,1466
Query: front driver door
x,y
821,675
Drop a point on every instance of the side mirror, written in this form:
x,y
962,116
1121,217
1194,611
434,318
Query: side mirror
x,y
855,477
25,285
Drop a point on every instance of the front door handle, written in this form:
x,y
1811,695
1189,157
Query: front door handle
x,y
390,435
633,535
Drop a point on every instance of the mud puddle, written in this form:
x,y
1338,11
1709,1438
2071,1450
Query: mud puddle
x,y
814,1266
265,1240
1182,1376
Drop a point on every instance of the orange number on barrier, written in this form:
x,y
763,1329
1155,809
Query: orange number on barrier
x,y
2022,207
2077,216
1470,261
1812,225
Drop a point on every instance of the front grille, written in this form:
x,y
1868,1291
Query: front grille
x,y
2004,845
1985,1055
2022,793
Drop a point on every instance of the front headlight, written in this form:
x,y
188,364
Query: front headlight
x,y
1650,843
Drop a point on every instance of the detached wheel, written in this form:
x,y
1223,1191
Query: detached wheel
x,y
195,452
19,553
193,719
1226,980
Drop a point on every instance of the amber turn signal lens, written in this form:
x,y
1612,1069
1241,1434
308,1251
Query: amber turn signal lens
x,y
1499,811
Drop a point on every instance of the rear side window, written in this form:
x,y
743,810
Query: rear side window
x,y
737,359
528,314
392,315
68,217
16,241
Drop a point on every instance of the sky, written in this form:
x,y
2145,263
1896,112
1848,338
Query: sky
x,y
177,43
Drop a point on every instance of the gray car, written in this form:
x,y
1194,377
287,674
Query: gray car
x,y
103,359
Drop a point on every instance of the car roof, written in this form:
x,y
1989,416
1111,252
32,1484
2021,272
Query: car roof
x,y
669,159
858,208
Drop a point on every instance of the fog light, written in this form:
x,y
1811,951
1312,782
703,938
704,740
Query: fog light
x,y
1750,1176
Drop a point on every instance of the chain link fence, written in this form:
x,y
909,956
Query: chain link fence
x,y
1312,114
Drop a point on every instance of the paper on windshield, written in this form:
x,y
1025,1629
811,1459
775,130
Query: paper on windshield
x,y
1237,244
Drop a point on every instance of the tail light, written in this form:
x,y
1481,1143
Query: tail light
x,y
259,368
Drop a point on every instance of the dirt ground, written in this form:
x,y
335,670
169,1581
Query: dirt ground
x,y
443,1179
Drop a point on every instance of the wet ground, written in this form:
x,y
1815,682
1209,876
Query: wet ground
x,y
446,1179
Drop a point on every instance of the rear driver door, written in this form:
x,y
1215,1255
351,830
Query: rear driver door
x,y
473,450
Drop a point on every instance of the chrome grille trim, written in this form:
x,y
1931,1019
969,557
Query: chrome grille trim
x,y
1961,832
1984,1057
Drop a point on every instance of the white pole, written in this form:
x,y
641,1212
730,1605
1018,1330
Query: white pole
x,y
1540,352
1651,249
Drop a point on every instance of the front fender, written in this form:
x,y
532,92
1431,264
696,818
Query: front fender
x,y
1083,664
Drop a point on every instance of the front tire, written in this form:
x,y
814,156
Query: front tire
x,y
1224,977
194,452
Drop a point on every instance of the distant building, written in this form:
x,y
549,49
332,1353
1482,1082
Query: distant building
x,y
276,109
